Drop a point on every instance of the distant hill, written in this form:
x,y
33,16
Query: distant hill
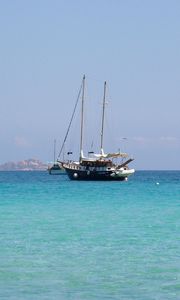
x,y
24,165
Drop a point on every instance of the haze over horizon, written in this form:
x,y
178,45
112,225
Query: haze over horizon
x,y
47,46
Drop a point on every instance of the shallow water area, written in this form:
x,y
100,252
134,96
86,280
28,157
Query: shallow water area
x,y
63,239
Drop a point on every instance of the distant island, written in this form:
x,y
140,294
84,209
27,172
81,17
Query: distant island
x,y
24,165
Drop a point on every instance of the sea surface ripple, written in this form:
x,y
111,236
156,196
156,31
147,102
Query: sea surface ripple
x,y
72,240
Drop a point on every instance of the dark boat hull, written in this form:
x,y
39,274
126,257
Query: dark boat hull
x,y
90,175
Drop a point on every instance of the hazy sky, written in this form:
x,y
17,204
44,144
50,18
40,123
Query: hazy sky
x,y
47,46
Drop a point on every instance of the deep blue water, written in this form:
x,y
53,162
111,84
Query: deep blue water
x,y
62,239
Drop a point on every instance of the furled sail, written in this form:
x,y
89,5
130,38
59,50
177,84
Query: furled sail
x,y
112,155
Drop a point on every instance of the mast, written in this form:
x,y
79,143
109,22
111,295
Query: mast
x,y
102,127
82,119
54,150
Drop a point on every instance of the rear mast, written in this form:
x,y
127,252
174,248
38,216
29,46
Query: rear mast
x,y
102,126
82,120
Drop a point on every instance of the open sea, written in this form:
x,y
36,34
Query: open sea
x,y
72,240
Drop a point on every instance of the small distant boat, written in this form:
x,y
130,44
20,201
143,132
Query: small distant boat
x,y
56,167
101,166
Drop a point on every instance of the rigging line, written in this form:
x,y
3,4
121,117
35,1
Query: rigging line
x,y
71,120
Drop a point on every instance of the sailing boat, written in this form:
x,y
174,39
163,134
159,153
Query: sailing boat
x,y
101,166
55,168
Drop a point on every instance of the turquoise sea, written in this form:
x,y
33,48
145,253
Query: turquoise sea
x,y
70,240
